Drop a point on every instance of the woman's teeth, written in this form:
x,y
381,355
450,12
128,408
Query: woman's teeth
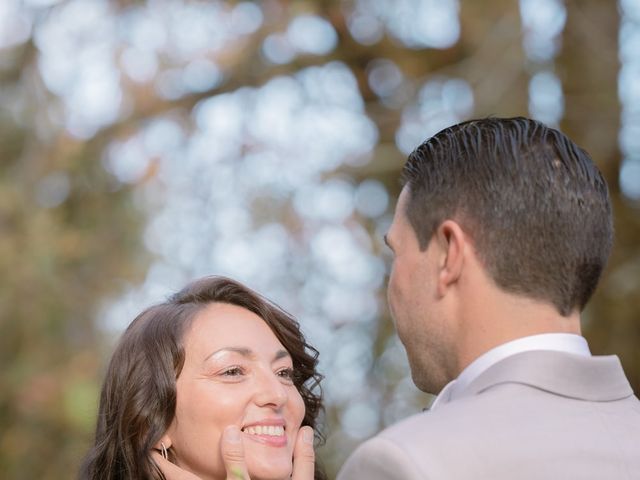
x,y
270,430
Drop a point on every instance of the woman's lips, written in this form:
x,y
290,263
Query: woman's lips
x,y
270,440
272,435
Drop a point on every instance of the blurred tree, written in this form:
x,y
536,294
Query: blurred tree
x,y
69,237
589,67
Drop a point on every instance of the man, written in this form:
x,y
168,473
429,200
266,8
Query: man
x,y
500,234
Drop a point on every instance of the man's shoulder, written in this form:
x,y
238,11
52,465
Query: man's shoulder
x,y
427,423
393,452
505,424
380,458
433,430
513,411
424,445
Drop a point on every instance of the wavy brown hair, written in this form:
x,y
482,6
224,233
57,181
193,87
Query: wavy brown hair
x,y
138,398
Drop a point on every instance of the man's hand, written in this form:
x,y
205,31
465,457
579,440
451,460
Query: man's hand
x,y
234,462
304,456
233,454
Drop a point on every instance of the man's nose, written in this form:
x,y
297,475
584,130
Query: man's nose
x,y
270,390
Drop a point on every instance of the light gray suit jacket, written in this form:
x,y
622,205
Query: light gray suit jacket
x,y
534,415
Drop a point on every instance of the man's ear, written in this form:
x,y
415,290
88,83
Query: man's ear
x,y
451,242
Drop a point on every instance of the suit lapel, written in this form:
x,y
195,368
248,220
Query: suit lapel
x,y
598,378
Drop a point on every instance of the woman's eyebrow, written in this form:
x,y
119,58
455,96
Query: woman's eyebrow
x,y
281,354
245,352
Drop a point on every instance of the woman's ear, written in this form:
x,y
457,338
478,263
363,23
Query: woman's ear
x,y
165,441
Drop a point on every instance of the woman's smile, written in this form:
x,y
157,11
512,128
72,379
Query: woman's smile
x,y
268,432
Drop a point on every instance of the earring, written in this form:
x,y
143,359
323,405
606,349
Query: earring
x,y
164,451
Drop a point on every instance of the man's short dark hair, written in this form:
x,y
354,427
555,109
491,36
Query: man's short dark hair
x,y
534,203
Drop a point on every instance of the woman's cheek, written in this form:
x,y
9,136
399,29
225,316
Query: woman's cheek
x,y
299,408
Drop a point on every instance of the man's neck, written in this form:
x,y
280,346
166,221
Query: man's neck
x,y
502,317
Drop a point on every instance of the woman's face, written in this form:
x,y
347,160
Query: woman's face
x,y
236,372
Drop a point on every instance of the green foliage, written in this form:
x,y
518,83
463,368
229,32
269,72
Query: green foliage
x,y
57,264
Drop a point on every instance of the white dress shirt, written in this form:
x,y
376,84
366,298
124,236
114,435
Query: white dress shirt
x,y
560,342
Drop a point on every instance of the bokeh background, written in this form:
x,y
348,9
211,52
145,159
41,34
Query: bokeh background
x,y
145,143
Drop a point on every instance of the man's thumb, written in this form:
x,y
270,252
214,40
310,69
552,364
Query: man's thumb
x,y
233,454
303,455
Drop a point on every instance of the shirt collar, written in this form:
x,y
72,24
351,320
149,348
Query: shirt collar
x,y
560,342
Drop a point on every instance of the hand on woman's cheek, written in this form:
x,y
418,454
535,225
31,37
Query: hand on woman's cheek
x,y
234,460
236,372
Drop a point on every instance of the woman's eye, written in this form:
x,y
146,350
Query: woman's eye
x,y
232,372
287,373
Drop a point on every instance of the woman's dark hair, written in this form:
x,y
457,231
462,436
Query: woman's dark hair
x,y
138,398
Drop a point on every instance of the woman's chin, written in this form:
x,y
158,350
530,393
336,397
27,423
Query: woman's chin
x,y
268,465
270,472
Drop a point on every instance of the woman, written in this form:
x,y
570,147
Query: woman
x,y
215,354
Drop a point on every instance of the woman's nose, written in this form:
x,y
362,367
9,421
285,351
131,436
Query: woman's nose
x,y
270,391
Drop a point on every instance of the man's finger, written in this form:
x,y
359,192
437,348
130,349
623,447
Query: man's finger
x,y
304,455
233,454
171,471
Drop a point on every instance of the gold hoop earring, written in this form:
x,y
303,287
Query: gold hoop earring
x,y
164,451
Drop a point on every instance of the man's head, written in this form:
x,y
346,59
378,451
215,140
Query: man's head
x,y
531,202
534,203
